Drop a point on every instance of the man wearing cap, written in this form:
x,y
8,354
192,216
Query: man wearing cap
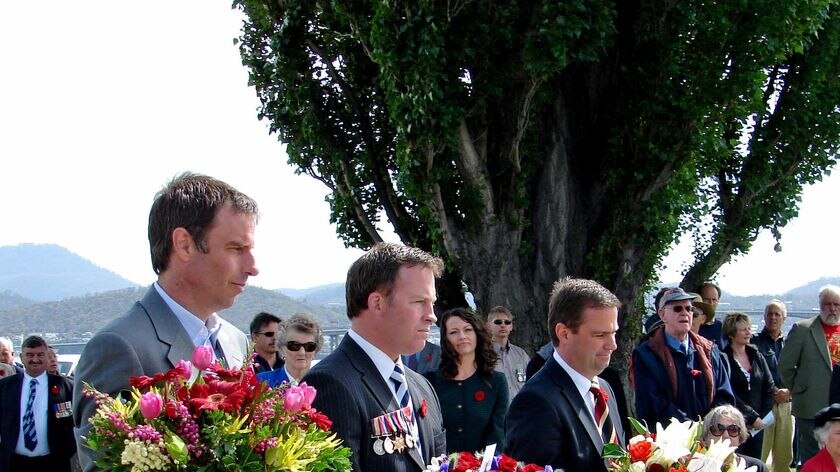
x,y
678,374
811,349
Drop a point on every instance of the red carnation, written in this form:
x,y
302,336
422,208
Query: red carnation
x,y
479,395
532,468
321,420
55,390
143,382
466,461
507,464
424,408
695,372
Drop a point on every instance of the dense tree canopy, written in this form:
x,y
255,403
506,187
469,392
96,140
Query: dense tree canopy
x,y
526,141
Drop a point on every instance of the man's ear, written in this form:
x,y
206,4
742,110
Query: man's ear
x,y
183,245
562,331
376,301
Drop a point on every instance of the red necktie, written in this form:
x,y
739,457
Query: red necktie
x,y
602,413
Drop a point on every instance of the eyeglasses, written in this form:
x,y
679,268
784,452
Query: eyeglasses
x,y
295,346
680,308
268,334
503,322
718,429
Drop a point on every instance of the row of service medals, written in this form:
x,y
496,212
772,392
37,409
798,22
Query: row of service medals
x,y
394,432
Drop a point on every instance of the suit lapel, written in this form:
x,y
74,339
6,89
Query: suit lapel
x,y
819,337
167,327
423,427
368,374
572,395
230,346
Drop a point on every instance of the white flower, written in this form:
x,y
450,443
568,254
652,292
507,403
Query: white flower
x,y
637,467
674,441
740,465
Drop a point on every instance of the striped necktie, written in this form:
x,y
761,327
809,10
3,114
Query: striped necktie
x,y
400,386
30,439
602,413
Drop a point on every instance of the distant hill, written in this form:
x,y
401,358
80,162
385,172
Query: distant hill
x,y
330,294
47,272
9,299
77,318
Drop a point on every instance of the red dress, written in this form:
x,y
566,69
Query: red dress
x,y
822,462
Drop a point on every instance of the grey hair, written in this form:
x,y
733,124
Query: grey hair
x,y
7,342
723,411
821,433
302,323
829,289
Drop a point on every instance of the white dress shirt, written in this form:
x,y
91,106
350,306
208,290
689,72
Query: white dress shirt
x,y
40,410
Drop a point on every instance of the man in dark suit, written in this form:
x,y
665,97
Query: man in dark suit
x,y
565,413
201,233
36,419
388,415
427,360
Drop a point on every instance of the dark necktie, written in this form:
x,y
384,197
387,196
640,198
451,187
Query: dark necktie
x,y
30,439
400,387
602,413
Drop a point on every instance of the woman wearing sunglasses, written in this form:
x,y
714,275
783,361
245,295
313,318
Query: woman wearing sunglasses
x,y
726,422
299,339
473,396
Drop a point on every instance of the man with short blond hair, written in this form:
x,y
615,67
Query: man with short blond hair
x,y
811,349
513,360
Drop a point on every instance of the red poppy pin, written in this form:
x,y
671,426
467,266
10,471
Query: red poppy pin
x,y
424,408
55,390
428,357
2,373
695,372
479,395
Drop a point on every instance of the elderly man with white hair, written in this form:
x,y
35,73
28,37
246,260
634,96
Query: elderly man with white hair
x,y
7,358
811,349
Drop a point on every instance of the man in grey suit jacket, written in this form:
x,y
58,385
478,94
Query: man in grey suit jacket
x,y
201,233
805,363
565,413
361,386
427,360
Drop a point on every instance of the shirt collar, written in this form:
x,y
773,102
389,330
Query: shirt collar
x,y
41,378
384,364
676,344
581,383
195,328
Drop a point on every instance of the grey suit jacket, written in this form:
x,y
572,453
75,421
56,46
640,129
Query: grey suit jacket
x,y
805,367
148,339
352,392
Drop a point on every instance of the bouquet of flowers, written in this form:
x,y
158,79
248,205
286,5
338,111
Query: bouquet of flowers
x,y
469,462
214,420
674,448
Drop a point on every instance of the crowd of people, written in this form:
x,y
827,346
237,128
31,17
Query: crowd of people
x,y
398,400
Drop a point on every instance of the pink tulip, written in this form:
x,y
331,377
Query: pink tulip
x,y
308,395
202,357
151,404
293,401
184,369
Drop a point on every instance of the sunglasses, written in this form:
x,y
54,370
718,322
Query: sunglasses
x,y
680,308
268,334
718,429
503,322
295,346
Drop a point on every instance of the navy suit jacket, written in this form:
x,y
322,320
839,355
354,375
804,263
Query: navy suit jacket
x,y
548,423
145,341
59,430
352,392
428,360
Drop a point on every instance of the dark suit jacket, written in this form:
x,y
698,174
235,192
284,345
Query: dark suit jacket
x,y
548,423
59,430
428,360
147,340
351,392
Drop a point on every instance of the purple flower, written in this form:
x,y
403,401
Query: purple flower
x,y
151,404
202,357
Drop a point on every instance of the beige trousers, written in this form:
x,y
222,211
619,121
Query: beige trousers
x,y
778,440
